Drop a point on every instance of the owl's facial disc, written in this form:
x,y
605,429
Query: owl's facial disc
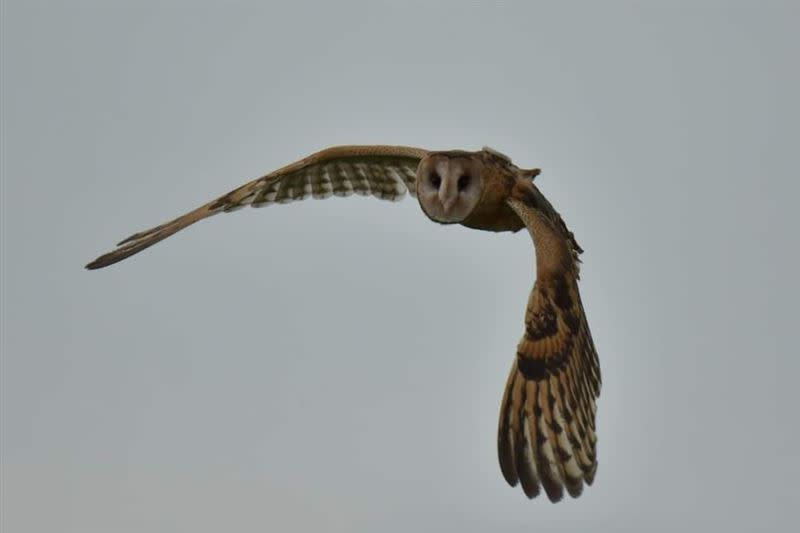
x,y
449,188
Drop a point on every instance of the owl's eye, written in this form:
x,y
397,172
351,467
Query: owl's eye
x,y
463,182
436,180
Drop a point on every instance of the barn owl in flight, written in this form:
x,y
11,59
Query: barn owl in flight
x,y
546,435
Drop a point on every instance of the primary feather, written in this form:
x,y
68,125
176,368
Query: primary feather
x,y
386,172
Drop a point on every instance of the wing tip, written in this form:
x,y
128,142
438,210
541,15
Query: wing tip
x,y
94,265
106,260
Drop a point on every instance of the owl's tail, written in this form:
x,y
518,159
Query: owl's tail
x,y
546,436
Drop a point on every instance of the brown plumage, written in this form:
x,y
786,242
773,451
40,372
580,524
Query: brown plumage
x,y
546,436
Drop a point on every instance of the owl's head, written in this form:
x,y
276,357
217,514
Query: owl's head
x,y
449,185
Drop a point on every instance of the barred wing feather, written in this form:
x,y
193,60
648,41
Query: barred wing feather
x,y
386,172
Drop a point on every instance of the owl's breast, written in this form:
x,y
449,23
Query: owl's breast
x,y
501,218
493,213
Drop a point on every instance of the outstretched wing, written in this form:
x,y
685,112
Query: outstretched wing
x,y
385,172
546,433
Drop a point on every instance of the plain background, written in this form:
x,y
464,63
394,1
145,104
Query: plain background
x,y
339,365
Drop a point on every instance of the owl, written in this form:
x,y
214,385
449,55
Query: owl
x,y
546,435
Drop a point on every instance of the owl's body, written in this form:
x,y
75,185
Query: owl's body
x,y
546,434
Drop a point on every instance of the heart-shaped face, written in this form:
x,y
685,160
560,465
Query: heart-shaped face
x,y
449,185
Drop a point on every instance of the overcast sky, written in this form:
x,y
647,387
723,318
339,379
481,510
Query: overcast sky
x,y
339,365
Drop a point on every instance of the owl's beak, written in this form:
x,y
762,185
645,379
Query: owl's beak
x,y
448,196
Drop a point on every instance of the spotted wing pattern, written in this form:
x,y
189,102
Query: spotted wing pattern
x,y
386,172
546,436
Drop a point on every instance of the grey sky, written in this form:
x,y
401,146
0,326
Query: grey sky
x,y
340,364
